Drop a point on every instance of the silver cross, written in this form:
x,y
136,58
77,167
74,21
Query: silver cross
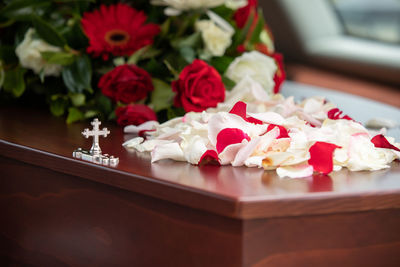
x,y
94,154
96,132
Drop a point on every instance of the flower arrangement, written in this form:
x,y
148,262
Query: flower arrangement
x,y
133,61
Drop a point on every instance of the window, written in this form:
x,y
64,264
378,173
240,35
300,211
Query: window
x,y
371,19
313,32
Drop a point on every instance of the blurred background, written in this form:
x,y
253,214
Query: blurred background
x,y
346,45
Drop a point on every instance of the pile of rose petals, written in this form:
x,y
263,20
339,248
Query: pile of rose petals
x,y
296,140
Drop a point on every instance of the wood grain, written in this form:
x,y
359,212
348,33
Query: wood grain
x,y
234,192
54,219
358,239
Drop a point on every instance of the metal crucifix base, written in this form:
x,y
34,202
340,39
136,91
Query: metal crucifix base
x,y
94,154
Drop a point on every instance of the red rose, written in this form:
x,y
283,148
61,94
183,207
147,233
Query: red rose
x,y
199,87
134,114
126,83
242,14
280,74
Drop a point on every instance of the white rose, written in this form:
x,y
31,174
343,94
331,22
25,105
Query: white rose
x,y
175,7
216,40
259,67
29,55
236,4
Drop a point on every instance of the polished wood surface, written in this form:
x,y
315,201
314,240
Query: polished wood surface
x,y
235,192
59,211
54,219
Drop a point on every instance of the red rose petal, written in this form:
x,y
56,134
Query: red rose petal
x,y
228,137
337,114
322,157
380,141
210,157
134,115
283,133
280,74
240,109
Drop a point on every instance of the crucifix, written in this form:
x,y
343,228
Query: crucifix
x,y
94,154
96,132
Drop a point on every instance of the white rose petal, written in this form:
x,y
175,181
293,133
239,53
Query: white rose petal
x,y
258,66
216,40
229,153
134,142
167,151
147,126
29,54
188,4
247,90
236,4
298,171
194,148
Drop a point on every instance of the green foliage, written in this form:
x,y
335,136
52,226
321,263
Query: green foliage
x,y
61,58
221,64
14,81
241,34
103,104
77,99
58,22
78,76
58,104
16,5
229,84
74,115
193,40
47,32
174,112
161,97
223,11
255,36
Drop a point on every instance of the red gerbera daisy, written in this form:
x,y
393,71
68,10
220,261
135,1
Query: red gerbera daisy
x,y
117,29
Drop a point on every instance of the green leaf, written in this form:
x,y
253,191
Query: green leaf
x,y
135,57
165,27
14,81
61,58
255,35
174,112
78,76
104,104
21,4
77,99
241,35
229,84
221,64
223,11
162,96
171,69
90,114
193,40
47,32
58,105
188,54
74,115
